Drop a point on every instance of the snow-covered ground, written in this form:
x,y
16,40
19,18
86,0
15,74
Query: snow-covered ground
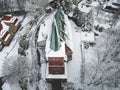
x,y
74,66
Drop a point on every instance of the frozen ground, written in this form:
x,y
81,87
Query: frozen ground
x,y
74,66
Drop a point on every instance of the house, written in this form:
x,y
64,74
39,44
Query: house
x,y
57,65
10,21
8,26
57,47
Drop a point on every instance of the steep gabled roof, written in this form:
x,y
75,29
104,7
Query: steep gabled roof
x,y
7,17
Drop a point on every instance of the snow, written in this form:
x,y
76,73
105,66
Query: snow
x,y
7,37
59,53
74,66
12,50
110,3
7,86
8,51
95,4
105,25
87,36
68,29
45,33
84,8
26,20
83,1
46,28
4,30
43,71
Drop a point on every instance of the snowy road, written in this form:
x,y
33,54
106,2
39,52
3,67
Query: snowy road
x,y
74,66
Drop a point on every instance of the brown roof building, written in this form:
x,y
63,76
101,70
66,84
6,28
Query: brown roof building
x,y
56,65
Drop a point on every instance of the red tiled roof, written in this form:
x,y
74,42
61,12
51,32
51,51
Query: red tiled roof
x,y
56,65
56,61
67,49
5,35
7,18
56,70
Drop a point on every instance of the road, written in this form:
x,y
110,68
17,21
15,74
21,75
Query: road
x,y
74,66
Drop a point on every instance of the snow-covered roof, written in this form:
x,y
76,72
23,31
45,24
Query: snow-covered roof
x,y
105,25
84,8
87,36
45,32
59,53
56,76
110,3
4,29
9,19
4,25
7,37
45,29
95,4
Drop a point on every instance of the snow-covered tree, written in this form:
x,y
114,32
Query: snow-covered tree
x,y
87,25
24,43
17,69
43,85
78,17
35,6
107,72
76,2
21,4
